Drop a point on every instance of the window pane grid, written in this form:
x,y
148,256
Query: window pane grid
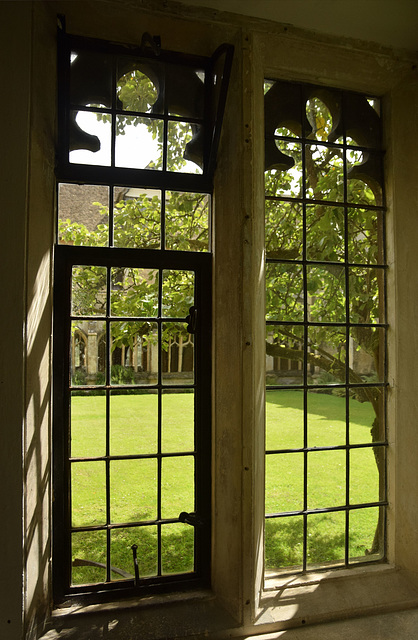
x,y
138,140
176,219
123,109
321,180
109,389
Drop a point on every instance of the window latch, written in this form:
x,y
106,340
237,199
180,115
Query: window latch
x,y
190,518
136,569
191,320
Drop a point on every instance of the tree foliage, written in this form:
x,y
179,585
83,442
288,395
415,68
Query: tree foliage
x,y
137,221
334,291
326,292
331,240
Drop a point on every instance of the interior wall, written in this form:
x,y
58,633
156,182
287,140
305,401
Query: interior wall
x,y
27,196
40,228
15,114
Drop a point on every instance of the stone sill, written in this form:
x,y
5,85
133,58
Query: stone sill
x,y
159,617
289,602
286,603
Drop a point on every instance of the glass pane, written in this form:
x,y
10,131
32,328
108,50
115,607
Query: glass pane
x,y
187,221
139,142
364,474
284,355
284,482
324,173
137,218
284,292
319,118
133,490
178,293
326,294
177,486
284,543
83,215
177,354
367,351
88,424
91,78
365,177
267,85
284,419
88,493
134,353
88,557
288,133
177,422
90,138
134,292
326,355
367,415
325,238
366,534
326,418
366,295
135,90
88,291
326,479
365,236
88,353
185,147
177,548
325,539
286,182
284,229
121,556
133,423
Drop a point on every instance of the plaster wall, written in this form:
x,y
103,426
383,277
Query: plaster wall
x,y
15,115
40,230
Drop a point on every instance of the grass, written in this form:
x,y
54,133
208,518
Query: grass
x,y
133,495
326,475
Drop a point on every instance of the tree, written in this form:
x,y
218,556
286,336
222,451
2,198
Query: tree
x,y
134,291
137,223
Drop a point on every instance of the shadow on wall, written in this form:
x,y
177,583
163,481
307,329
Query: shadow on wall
x,y
37,456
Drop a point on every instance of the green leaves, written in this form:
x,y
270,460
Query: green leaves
x,y
136,91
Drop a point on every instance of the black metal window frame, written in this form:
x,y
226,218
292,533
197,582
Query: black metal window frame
x,y
273,159
217,70
65,258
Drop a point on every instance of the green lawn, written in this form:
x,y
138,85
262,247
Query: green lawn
x,y
326,475
133,488
133,495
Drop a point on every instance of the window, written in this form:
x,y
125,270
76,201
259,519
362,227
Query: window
x,y
132,379
325,329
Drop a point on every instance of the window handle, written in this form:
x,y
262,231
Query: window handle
x,y
136,569
191,320
190,518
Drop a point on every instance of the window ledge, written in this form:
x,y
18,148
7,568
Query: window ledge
x,y
286,603
181,614
294,601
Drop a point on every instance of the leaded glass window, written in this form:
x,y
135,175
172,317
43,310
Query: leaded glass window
x,y
325,328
